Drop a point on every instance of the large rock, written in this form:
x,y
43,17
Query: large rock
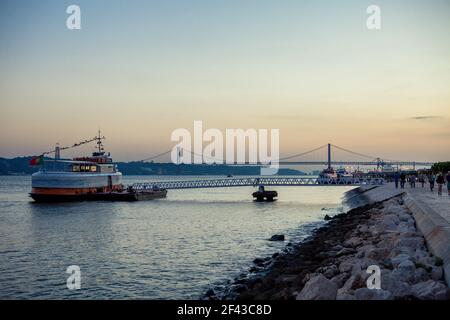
x,y
390,219
406,227
437,273
406,218
340,279
345,251
354,282
277,237
330,271
406,271
318,288
347,265
407,266
410,242
372,294
389,282
423,256
337,247
378,254
388,223
357,268
391,206
363,228
363,250
430,290
259,261
421,275
426,261
353,242
400,258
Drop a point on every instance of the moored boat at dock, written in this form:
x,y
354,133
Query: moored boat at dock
x,y
83,178
66,180
341,176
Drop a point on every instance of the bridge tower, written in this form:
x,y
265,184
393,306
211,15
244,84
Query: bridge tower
x,y
329,156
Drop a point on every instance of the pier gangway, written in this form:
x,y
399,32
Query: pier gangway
x,y
256,182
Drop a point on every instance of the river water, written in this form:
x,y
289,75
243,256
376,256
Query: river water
x,y
173,248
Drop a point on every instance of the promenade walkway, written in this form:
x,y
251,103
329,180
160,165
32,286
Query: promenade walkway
x,y
440,204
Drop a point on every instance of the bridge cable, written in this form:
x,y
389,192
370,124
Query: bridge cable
x,y
157,156
355,153
367,156
303,153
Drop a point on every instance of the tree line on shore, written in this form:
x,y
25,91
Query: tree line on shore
x,y
441,167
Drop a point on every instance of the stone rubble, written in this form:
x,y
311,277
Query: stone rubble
x,y
332,264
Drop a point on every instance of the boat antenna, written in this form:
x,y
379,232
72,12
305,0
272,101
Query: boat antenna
x,y
99,139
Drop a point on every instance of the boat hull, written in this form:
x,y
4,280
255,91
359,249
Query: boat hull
x,y
100,196
39,197
66,186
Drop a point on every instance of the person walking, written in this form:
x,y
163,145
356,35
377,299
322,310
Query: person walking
x,y
440,182
396,179
412,181
431,180
448,182
402,180
422,180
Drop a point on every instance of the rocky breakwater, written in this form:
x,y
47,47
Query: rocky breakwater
x,y
334,262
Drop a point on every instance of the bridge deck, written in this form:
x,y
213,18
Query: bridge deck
x,y
244,182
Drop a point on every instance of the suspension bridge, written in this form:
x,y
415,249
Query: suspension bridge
x,y
299,159
367,160
295,159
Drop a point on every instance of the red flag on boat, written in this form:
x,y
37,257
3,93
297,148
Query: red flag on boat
x,y
36,161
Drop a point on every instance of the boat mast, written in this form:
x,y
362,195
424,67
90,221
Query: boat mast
x,y
99,141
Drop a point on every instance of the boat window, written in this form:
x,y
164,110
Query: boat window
x,y
93,168
76,168
82,168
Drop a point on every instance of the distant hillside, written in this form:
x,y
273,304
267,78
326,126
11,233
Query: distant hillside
x,y
20,166
16,166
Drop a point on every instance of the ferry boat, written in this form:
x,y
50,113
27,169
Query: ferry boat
x,y
84,178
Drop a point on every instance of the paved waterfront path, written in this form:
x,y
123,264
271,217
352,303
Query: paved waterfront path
x,y
440,204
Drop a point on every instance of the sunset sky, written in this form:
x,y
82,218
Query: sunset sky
x,y
140,69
